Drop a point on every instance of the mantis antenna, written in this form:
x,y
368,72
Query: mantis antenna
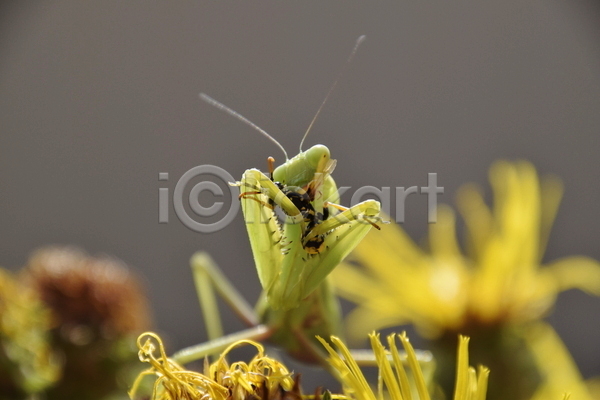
x,y
354,50
239,116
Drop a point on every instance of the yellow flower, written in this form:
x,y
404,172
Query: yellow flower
x,y
261,378
496,291
498,281
470,384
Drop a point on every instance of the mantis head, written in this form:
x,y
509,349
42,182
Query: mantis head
x,y
301,169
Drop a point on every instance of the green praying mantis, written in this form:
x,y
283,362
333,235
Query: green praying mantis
x,y
293,256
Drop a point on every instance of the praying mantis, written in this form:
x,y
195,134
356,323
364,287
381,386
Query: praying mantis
x,y
293,256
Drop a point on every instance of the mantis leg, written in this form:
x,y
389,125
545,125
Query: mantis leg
x,y
367,211
264,229
366,217
252,196
208,278
199,351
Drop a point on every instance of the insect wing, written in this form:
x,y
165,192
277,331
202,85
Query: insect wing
x,y
330,166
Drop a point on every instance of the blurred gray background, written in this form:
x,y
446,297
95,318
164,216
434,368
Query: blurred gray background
x,y
97,98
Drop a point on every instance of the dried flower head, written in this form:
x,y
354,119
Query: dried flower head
x,y
100,294
27,363
98,309
261,378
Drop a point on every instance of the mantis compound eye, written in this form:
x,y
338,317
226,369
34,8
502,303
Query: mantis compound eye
x,y
318,156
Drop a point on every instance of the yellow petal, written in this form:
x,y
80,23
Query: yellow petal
x,y
552,192
442,235
559,372
576,272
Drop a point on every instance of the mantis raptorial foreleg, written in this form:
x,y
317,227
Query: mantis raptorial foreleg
x,y
365,212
